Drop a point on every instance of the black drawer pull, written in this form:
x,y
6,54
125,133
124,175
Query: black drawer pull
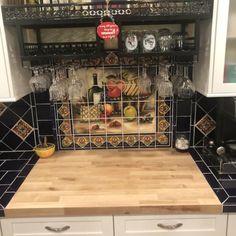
x,y
57,230
170,227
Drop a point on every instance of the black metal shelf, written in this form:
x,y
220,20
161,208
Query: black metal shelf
x,y
84,14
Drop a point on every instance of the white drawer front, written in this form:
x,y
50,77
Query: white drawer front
x,y
78,226
170,225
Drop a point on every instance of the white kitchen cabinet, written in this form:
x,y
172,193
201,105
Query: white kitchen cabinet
x,y
170,225
215,73
14,80
67,226
231,229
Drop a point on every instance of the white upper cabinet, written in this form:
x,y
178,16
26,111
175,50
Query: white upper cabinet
x,y
215,73
14,80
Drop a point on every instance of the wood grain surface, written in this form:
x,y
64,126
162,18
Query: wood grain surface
x,y
103,182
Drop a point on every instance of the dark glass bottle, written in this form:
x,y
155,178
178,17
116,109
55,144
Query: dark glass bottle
x,y
95,92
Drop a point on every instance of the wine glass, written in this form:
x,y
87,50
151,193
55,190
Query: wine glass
x,y
166,87
38,83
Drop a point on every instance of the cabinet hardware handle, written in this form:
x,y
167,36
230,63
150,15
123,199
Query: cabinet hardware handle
x,y
57,230
170,227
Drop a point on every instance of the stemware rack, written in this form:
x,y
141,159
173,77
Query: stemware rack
x,y
40,16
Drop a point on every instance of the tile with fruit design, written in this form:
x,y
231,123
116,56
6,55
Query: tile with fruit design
x,y
119,109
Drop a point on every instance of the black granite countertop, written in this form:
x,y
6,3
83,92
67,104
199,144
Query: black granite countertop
x,y
15,166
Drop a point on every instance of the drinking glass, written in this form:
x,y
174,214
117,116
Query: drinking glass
x,y
164,40
186,88
38,83
166,87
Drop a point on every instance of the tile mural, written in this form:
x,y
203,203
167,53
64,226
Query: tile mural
x,y
125,114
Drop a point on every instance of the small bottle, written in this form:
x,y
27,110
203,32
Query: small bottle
x,y
95,92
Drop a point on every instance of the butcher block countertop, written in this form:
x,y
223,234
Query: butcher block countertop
x,y
114,182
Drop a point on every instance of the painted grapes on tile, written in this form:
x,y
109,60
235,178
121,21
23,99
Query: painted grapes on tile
x,y
118,108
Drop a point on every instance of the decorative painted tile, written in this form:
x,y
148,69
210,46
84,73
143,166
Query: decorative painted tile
x,y
65,127
82,141
98,141
3,107
90,113
163,108
163,125
147,139
64,111
206,125
67,141
114,140
162,139
131,140
22,129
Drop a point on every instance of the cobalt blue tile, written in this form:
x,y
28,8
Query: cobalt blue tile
x,y
13,165
231,201
27,155
12,140
229,208
2,212
33,160
194,155
202,167
42,97
20,107
9,177
4,147
25,171
3,129
5,199
24,146
44,112
221,194
2,173
45,127
212,181
28,117
3,189
16,184
228,184
184,108
11,155
9,118
183,124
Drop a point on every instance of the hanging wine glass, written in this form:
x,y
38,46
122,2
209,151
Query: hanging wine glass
x,y
186,88
76,90
38,83
166,87
177,78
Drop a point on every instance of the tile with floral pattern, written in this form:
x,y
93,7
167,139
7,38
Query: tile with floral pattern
x,y
98,141
114,140
131,140
82,141
65,127
64,111
206,125
22,129
163,125
147,140
67,141
163,108
162,139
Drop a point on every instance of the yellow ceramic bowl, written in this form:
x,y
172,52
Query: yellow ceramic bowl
x,y
45,152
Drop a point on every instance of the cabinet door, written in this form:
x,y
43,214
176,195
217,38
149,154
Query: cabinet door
x,y
66,226
231,225
224,75
4,92
179,225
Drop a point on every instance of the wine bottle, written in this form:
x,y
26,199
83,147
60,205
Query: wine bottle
x,y
95,92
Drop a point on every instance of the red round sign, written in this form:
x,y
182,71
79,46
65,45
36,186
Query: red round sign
x,y
108,30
